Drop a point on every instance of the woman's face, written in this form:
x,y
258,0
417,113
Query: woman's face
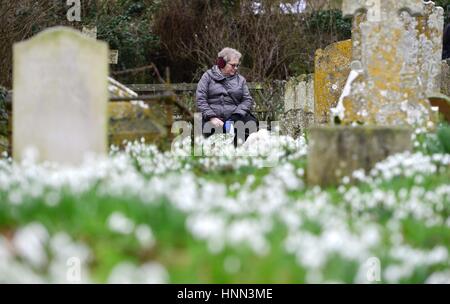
x,y
231,67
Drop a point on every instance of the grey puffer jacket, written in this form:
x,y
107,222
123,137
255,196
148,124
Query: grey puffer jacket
x,y
213,95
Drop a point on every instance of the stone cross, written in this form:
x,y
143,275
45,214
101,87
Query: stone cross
x,y
390,89
60,97
381,10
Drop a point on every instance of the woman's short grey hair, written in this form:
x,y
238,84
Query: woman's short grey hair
x,y
228,53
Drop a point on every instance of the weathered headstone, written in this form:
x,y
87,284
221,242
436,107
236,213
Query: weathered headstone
x,y
398,62
60,96
330,78
298,105
430,29
130,121
332,66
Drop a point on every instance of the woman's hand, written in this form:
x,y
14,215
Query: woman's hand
x,y
216,122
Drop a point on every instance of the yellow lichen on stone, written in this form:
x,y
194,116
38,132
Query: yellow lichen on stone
x,y
332,66
383,74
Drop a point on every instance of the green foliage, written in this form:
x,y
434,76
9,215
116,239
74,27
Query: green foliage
x,y
443,136
330,26
127,27
328,20
437,142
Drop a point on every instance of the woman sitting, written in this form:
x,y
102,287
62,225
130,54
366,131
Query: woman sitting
x,y
223,97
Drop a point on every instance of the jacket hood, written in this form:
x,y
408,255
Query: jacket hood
x,y
215,73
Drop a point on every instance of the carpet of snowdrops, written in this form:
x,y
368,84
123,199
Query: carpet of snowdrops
x,y
244,216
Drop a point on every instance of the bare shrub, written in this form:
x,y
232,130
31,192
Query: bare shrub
x,y
275,45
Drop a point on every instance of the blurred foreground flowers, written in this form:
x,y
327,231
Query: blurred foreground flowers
x,y
147,216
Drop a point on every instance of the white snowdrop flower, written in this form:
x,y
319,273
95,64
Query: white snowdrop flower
x,y
394,273
17,273
370,236
68,255
316,190
333,240
442,277
206,226
438,255
5,253
30,156
342,189
314,276
235,187
119,223
232,264
154,273
259,245
150,273
403,194
247,232
312,257
15,197
63,248
292,220
35,190
29,243
145,236
52,198
346,180
216,246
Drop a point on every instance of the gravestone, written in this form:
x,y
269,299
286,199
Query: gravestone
x,y
430,30
397,53
60,96
394,67
298,105
130,121
332,66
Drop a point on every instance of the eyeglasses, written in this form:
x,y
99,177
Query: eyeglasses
x,y
235,66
